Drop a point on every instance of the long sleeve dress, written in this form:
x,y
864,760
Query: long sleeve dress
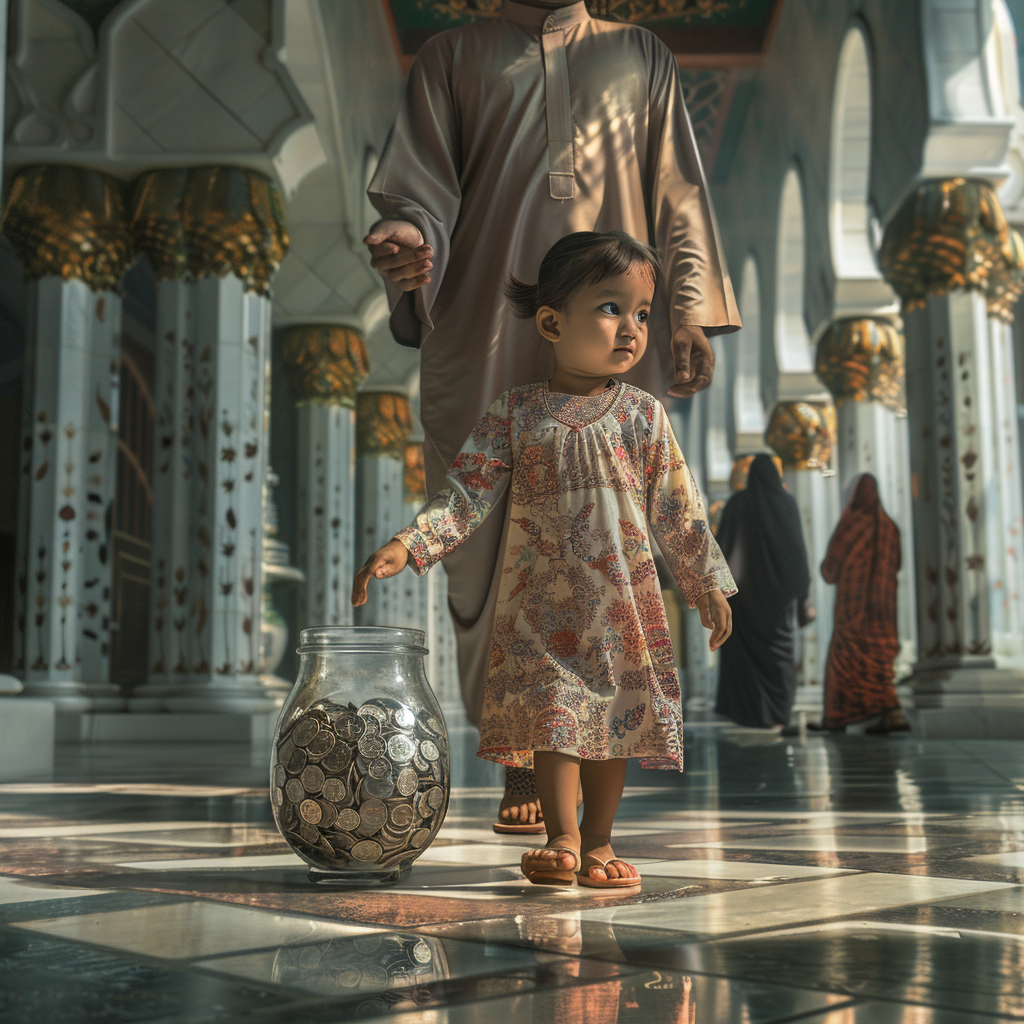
x,y
581,659
515,131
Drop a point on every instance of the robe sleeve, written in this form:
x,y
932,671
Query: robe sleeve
x,y
678,521
477,479
685,231
418,180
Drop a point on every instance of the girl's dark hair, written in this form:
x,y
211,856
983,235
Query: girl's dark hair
x,y
575,261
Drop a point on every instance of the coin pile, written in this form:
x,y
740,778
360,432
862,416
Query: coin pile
x,y
374,966
360,786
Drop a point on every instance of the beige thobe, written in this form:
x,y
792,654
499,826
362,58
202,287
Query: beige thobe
x,y
514,132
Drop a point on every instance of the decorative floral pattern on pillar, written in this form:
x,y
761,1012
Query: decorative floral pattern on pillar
x,y
802,434
861,360
325,363
741,468
952,234
415,474
383,422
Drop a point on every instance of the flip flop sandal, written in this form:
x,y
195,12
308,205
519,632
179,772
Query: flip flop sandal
x,y
583,878
552,875
519,782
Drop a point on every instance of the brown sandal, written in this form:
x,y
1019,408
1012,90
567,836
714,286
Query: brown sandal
x,y
551,875
519,782
583,876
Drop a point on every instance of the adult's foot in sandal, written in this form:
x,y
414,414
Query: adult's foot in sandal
x,y
519,810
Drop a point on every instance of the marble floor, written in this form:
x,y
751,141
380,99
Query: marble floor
x,y
836,880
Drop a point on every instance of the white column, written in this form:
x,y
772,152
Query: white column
x,y
961,498
325,549
171,623
64,544
383,423
231,329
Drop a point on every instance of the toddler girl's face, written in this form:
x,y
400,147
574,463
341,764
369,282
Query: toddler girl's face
x,y
603,329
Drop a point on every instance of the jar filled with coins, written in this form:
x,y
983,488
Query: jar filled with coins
x,y
359,776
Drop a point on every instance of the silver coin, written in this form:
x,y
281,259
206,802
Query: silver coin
x,y
277,796
402,815
347,819
280,775
435,798
420,763
348,977
375,977
428,748
404,718
369,710
401,748
321,744
371,746
421,953
367,944
379,767
407,782
367,850
304,731
349,728
295,791
338,759
329,813
418,837
311,812
309,833
312,779
379,788
373,814
297,761
423,808
343,841
335,790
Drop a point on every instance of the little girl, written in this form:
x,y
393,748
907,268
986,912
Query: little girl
x,y
582,674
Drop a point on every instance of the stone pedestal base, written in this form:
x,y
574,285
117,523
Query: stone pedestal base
x,y
256,729
26,738
969,702
74,696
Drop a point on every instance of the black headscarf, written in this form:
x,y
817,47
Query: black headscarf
x,y
762,540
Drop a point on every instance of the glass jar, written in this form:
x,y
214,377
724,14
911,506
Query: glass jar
x,y
359,776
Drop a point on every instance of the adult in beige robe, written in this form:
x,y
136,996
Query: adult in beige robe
x,y
515,131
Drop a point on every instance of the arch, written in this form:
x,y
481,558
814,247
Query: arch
x,y
849,213
748,412
793,351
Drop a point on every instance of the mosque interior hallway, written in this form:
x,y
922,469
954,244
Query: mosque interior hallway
x,y
838,879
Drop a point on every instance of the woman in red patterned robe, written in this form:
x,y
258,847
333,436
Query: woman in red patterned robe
x,y
862,561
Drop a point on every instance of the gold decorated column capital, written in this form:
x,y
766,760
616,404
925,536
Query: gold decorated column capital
x,y
69,222
211,222
383,423
951,234
861,359
325,363
802,433
415,473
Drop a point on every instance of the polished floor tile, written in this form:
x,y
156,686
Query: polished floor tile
x,y
778,905
189,929
735,869
28,891
830,843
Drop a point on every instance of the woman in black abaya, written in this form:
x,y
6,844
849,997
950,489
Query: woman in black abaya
x,y
761,538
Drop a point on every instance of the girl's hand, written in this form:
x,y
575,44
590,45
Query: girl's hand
x,y
387,561
716,615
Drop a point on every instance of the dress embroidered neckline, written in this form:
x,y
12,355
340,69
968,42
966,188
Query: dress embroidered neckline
x,y
580,410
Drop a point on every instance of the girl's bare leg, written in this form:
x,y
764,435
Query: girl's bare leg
x,y
558,779
602,783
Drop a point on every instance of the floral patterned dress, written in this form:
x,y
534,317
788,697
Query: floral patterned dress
x,y
581,658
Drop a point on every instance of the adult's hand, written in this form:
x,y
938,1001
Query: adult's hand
x,y
692,360
398,253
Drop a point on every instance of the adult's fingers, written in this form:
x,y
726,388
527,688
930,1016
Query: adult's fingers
x,y
400,231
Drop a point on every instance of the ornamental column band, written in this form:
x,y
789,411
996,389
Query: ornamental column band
x,y
214,237
803,434
68,226
958,269
383,426
326,365
861,361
